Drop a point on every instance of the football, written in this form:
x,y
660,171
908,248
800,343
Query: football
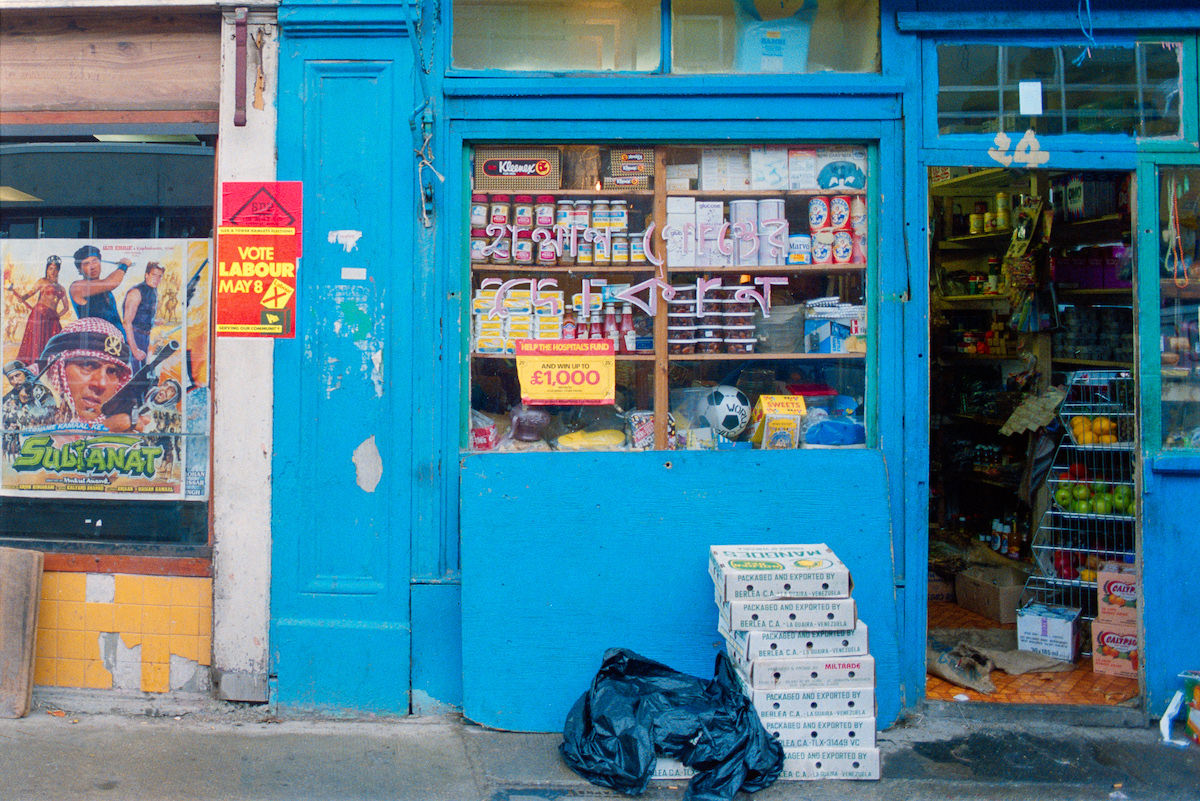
x,y
727,410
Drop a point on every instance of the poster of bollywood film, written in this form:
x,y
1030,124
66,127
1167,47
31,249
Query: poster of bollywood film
x,y
105,351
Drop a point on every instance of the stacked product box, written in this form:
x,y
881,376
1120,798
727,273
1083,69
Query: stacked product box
x,y
1114,631
793,634
495,328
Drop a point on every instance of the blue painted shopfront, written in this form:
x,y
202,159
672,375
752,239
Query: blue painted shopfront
x,y
411,576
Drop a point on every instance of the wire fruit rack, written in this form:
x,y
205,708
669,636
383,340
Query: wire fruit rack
x,y
1092,516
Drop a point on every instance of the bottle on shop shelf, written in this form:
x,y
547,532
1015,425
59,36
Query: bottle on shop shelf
x,y
610,326
568,328
628,334
595,327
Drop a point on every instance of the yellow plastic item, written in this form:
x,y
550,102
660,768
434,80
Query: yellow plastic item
x,y
607,439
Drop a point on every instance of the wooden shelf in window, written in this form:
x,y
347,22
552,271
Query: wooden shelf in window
x,y
1092,363
572,268
1095,293
755,194
725,357
621,357
586,193
811,269
1189,292
978,183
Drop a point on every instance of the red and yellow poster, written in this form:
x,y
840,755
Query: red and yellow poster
x,y
258,253
105,368
566,372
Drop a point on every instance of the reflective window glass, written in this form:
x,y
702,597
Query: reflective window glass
x,y
1179,331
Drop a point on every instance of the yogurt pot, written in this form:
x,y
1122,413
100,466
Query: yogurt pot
x,y
681,332
740,332
738,318
708,330
710,345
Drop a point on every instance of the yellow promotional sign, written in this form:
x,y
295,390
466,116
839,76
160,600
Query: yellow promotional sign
x,y
566,372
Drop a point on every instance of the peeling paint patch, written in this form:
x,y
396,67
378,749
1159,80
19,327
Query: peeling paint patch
x,y
368,466
347,239
377,372
100,588
124,663
187,675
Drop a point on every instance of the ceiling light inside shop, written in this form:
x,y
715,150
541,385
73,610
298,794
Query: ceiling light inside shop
x,y
182,139
10,194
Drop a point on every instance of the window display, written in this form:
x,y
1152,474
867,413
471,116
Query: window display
x,y
670,297
1179,213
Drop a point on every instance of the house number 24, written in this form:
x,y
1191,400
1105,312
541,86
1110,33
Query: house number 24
x,y
1027,151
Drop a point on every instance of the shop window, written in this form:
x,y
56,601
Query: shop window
x,y
669,297
1131,90
706,36
1179,211
104,333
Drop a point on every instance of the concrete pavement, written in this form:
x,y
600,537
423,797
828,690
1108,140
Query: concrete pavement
x,y
186,749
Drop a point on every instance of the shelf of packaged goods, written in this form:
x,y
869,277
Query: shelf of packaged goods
x,y
621,357
985,240
1113,292
716,357
756,194
980,183
561,269
1092,363
586,193
1169,289
790,269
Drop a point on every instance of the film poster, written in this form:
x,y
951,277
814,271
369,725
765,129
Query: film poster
x,y
105,352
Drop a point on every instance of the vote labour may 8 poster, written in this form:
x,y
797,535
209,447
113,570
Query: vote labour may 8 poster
x,y
105,352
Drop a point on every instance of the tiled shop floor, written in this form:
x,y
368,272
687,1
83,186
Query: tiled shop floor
x,y
1079,686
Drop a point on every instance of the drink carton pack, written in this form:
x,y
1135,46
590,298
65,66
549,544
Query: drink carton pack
x,y
744,572
1114,648
1048,630
770,646
787,674
1117,593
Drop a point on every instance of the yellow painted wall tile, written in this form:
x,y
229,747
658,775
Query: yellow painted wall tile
x,y
44,671
156,590
128,618
71,672
206,623
95,676
206,600
78,645
70,616
48,614
127,589
192,592
131,639
100,617
71,586
186,620
156,619
204,652
49,584
45,644
156,649
156,677
185,646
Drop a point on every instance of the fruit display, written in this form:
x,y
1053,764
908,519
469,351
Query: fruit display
x,y
1092,514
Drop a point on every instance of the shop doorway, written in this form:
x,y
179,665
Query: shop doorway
x,y
1033,438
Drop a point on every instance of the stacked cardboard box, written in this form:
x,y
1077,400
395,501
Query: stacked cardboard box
x,y
792,631
1114,631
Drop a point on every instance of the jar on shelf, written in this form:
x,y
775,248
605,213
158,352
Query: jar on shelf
x,y
522,212
479,243
544,211
637,247
581,215
500,210
601,251
523,248
479,210
547,253
600,214
503,252
618,215
620,248
584,253
564,212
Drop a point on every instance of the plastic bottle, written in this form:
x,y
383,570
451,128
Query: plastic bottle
x,y
628,334
610,326
596,328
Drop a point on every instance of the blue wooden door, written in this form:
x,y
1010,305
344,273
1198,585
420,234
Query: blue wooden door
x,y
341,494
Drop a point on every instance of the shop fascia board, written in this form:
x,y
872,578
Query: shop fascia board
x,y
109,5
957,23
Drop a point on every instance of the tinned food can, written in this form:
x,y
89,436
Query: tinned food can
x,y
818,213
843,247
839,212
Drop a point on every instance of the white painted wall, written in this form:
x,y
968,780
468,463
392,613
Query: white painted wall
x,y
243,400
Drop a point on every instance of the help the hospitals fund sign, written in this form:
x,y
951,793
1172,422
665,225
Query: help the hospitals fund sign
x,y
258,253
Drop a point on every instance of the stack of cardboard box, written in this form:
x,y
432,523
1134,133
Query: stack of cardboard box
x,y
1114,631
793,634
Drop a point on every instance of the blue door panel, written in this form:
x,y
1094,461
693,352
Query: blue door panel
x,y
341,632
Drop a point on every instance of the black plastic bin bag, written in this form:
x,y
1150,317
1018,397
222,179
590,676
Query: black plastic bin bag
x,y
637,707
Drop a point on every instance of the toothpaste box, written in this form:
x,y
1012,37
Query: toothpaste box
x,y
800,734
831,763
783,614
771,646
743,572
791,674
811,702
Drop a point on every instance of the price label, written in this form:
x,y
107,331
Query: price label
x,y
566,372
